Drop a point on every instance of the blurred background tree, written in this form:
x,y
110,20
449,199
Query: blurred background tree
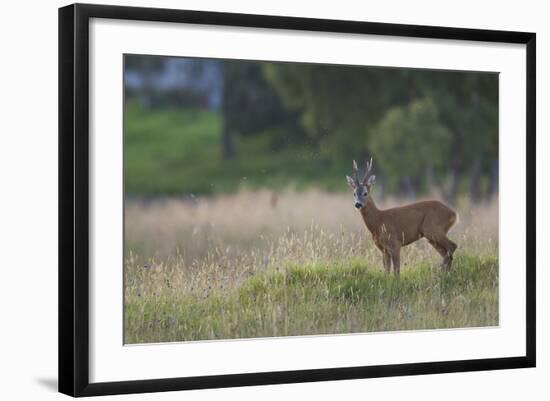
x,y
415,144
207,126
252,107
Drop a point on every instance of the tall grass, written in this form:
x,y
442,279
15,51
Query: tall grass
x,y
256,264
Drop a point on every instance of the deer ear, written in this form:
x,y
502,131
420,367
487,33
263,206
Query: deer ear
x,y
370,181
351,181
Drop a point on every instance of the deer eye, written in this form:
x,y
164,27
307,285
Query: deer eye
x,y
364,193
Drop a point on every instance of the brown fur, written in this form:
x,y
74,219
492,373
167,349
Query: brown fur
x,y
397,227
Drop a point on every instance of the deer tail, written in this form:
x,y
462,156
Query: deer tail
x,y
455,219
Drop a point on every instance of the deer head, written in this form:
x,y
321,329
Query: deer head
x,y
361,188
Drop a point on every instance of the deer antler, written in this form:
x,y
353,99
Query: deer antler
x,y
355,172
369,168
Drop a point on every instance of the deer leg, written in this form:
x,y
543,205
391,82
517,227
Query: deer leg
x,y
440,249
445,247
395,257
387,261
450,248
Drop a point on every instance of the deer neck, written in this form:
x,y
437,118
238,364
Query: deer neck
x,y
371,215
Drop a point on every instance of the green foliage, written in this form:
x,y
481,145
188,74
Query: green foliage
x,y
351,112
323,299
423,128
412,139
337,104
177,151
165,151
252,107
250,103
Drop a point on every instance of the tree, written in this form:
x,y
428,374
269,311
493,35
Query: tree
x,y
335,103
412,142
349,110
251,106
468,106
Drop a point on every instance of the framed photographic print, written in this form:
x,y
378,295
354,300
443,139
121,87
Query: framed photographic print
x,y
251,199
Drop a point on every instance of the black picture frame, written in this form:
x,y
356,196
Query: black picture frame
x,y
74,198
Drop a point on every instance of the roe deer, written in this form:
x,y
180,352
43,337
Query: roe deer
x,y
394,228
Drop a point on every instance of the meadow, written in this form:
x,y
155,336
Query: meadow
x,y
263,263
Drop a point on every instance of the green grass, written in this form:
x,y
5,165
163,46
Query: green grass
x,y
178,151
349,297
